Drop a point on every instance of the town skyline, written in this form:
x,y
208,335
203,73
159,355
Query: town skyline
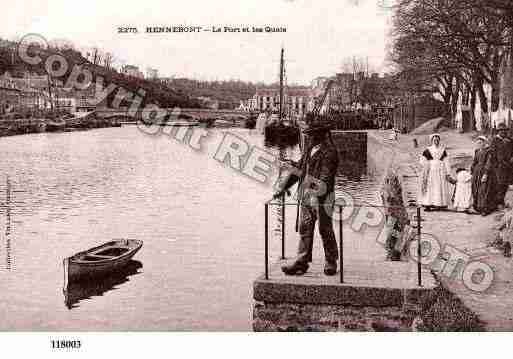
x,y
311,49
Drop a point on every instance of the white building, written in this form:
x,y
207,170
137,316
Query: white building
x,y
297,100
152,74
64,100
131,70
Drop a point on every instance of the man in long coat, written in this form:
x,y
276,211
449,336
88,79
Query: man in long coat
x,y
502,152
315,173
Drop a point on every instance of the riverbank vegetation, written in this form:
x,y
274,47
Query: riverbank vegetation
x,y
228,94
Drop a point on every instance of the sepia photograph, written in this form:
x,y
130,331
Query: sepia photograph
x,y
257,166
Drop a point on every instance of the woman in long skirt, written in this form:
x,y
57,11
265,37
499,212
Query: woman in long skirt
x,y
434,185
483,178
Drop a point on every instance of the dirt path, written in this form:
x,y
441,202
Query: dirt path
x,y
469,234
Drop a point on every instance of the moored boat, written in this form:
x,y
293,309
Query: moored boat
x,y
5,131
181,123
224,123
280,131
102,260
251,122
55,125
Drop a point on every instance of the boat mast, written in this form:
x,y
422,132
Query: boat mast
x,y
50,91
281,85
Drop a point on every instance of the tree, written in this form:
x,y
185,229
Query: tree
x,y
95,56
462,44
347,87
108,59
372,92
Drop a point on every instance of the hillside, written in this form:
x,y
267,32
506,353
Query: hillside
x,y
228,93
156,92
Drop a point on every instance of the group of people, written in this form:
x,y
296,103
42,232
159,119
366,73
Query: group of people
x,y
480,189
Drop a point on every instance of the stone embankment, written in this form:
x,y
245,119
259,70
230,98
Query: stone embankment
x,y
446,304
376,295
85,121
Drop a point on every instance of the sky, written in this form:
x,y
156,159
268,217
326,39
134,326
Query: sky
x,y
320,34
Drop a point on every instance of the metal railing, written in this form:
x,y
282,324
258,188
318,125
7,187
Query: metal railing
x,y
283,204
419,248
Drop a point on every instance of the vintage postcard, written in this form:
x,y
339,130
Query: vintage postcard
x,y
267,166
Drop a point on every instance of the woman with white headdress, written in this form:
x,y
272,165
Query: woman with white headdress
x,y
434,181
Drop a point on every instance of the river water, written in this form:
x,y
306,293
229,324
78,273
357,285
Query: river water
x,y
201,223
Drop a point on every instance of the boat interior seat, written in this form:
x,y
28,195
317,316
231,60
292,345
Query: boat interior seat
x,y
99,256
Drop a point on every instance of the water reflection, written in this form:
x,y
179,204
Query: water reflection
x,y
351,170
76,291
119,183
282,143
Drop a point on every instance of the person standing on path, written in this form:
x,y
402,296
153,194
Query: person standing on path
x,y
483,178
434,181
463,192
317,170
502,152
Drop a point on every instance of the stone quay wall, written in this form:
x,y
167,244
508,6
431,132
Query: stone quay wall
x,y
352,146
326,318
404,313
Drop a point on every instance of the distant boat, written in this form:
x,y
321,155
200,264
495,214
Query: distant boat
x,y
280,130
74,129
251,122
40,127
55,125
36,126
224,123
181,123
102,260
5,130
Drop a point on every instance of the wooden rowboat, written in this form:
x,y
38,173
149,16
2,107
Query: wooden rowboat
x,y
102,260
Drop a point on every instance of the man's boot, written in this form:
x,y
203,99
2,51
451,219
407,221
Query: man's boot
x,y
330,268
297,268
